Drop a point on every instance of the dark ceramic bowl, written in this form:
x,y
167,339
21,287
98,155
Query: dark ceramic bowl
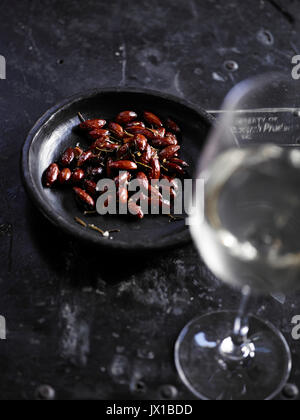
x,y
54,132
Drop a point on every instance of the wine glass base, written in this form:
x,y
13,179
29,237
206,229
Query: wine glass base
x,y
261,375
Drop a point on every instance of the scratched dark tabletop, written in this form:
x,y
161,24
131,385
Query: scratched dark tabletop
x,y
94,325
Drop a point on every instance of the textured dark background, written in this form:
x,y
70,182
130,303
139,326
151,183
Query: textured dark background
x,y
92,325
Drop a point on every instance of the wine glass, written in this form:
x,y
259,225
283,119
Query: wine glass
x,y
249,238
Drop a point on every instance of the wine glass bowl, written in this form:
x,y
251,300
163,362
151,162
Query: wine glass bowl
x,y
251,226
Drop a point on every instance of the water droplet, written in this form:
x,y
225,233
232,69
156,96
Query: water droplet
x,y
231,66
139,387
45,392
290,391
265,37
168,392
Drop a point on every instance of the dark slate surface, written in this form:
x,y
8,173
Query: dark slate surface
x,y
103,326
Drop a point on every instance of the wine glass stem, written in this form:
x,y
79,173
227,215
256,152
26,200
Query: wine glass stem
x,y
237,348
241,329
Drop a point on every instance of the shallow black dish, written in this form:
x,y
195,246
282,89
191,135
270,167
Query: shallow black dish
x,y
54,132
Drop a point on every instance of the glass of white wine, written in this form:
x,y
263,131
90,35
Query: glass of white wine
x,y
250,239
